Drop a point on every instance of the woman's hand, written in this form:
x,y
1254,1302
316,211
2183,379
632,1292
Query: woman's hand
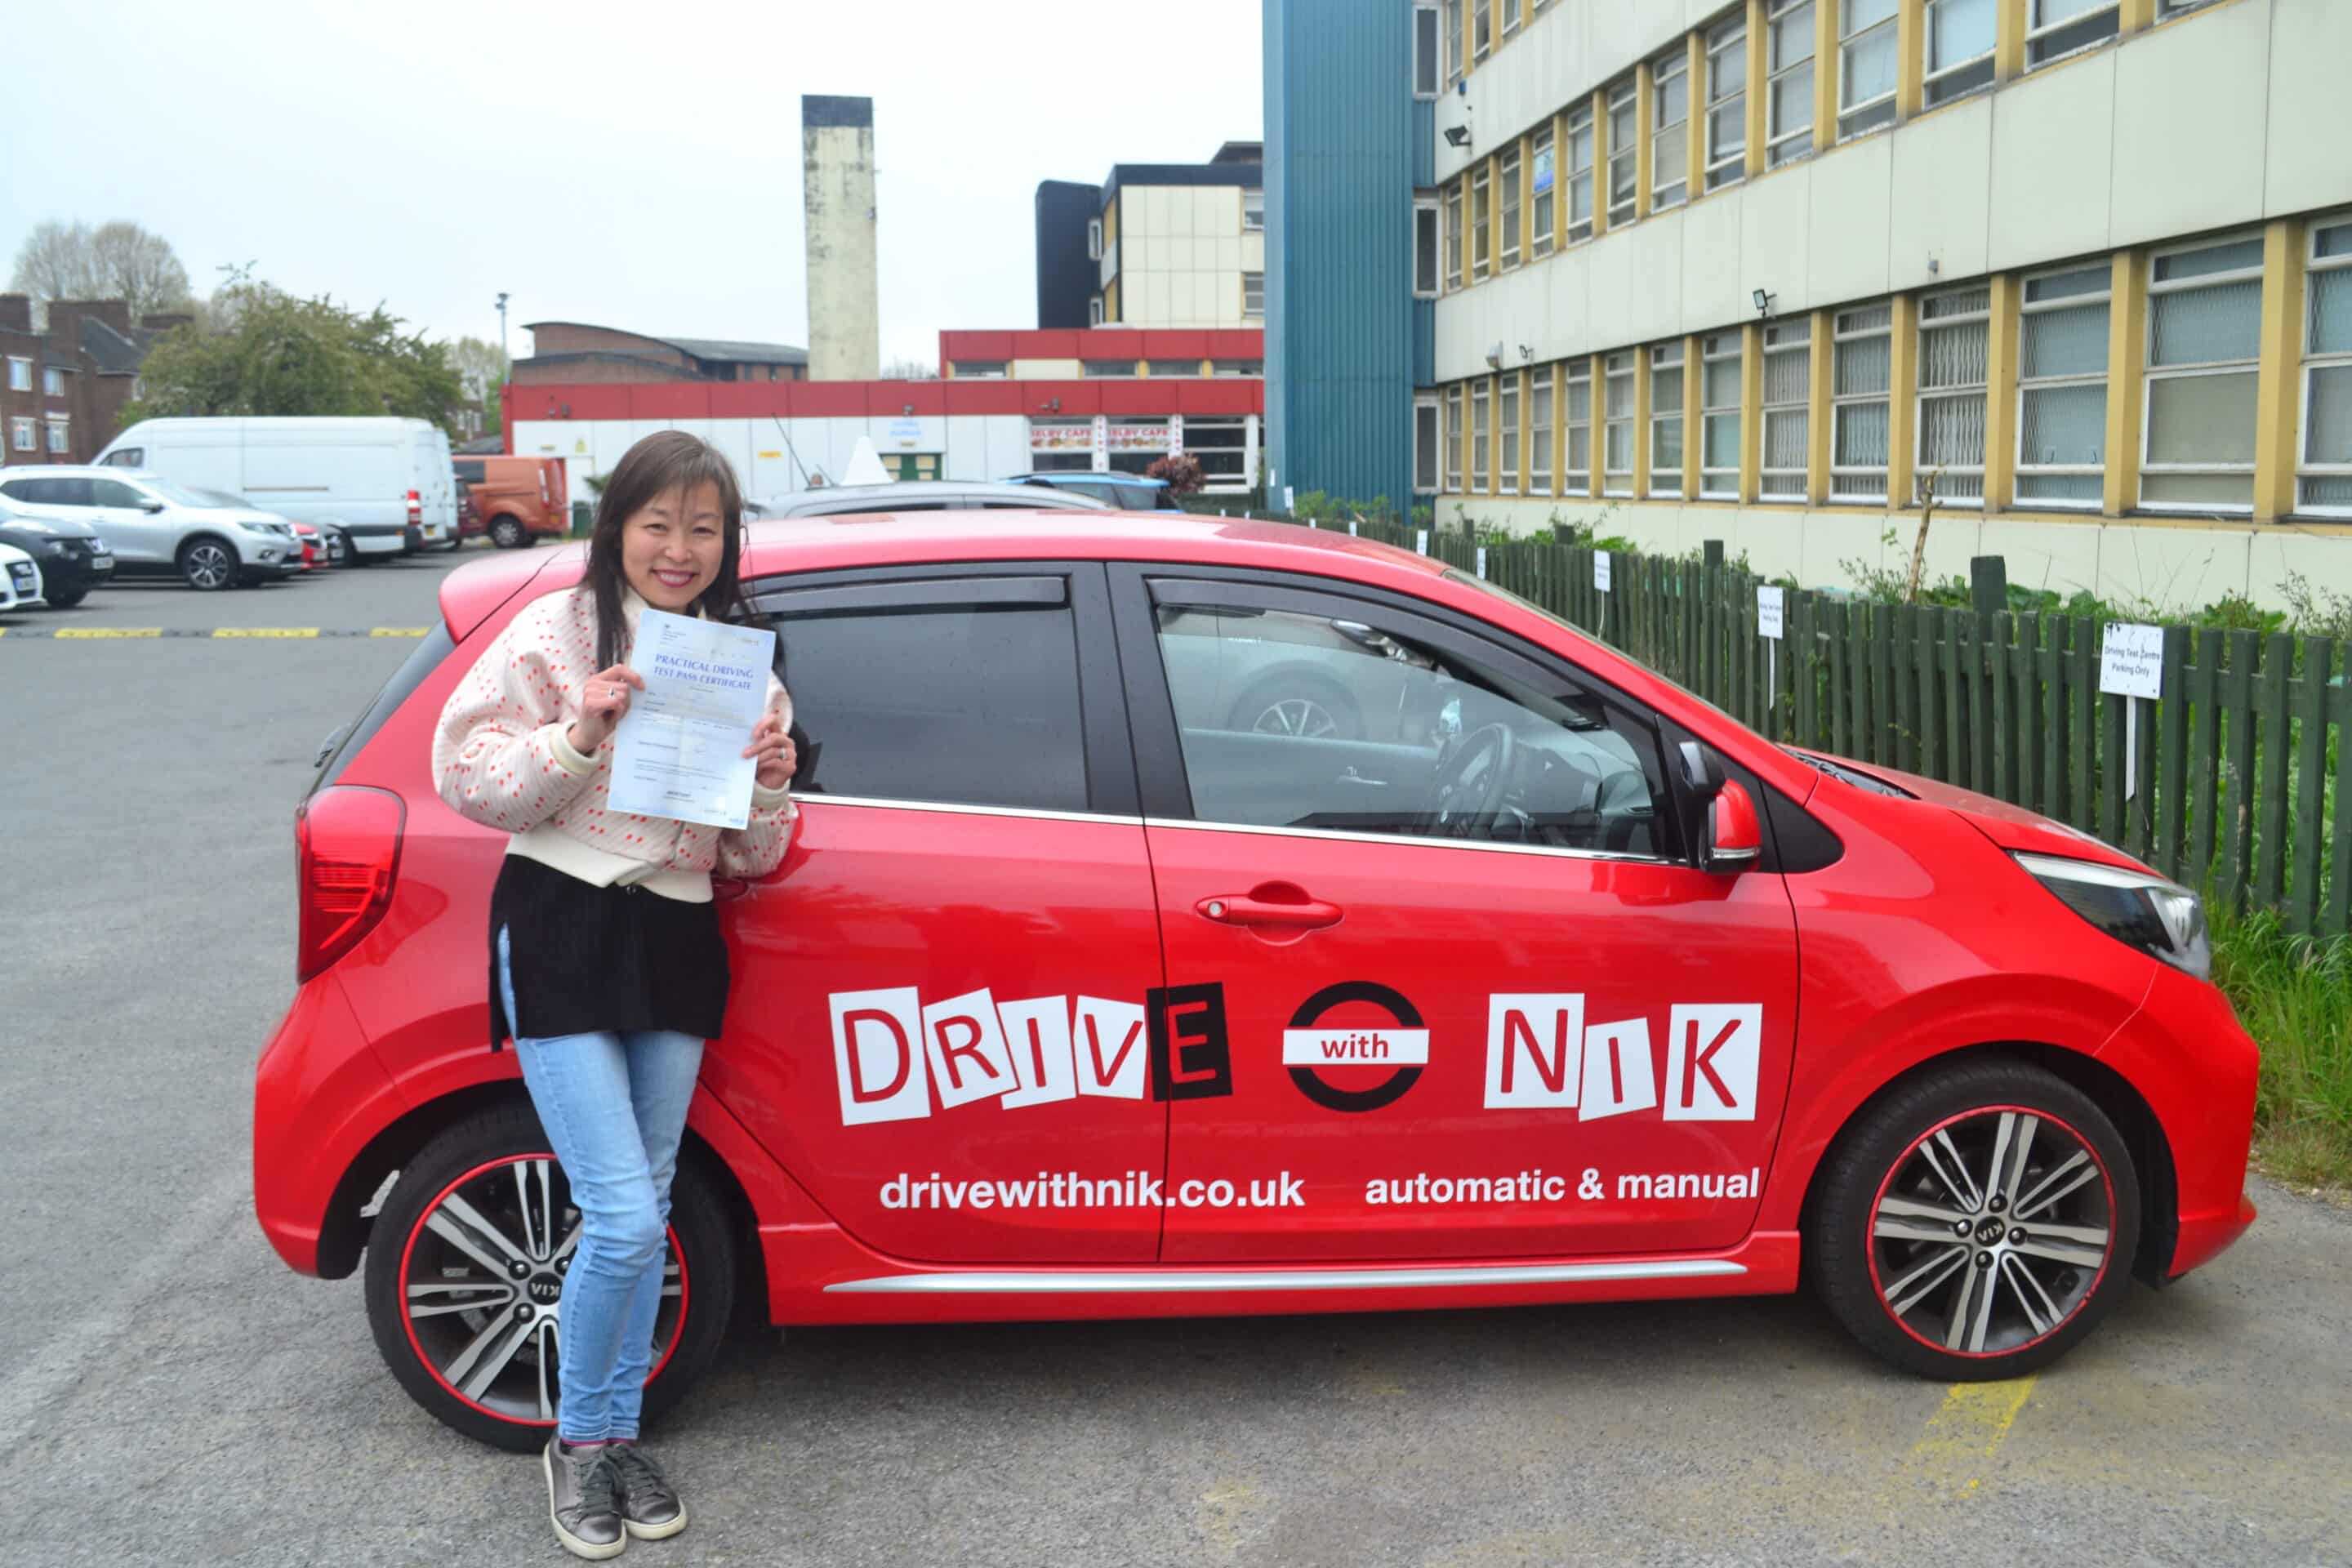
x,y
602,702
778,758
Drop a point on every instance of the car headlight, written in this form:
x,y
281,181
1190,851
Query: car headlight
x,y
2160,918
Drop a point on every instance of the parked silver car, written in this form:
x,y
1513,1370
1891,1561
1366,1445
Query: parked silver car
x,y
157,529
917,495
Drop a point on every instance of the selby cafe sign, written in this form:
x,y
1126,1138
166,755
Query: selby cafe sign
x,y
1101,434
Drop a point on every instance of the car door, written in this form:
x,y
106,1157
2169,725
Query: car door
x,y
938,1017
1442,978
120,516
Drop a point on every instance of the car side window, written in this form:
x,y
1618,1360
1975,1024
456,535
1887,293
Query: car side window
x,y
1292,718
68,492
129,457
114,492
936,693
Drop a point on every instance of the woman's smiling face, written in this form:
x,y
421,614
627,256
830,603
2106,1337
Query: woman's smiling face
x,y
672,547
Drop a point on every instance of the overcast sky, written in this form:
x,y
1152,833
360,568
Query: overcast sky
x,y
636,165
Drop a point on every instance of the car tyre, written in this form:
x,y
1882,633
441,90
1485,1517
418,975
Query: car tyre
x,y
66,601
209,564
1975,1221
492,1162
509,533
1294,703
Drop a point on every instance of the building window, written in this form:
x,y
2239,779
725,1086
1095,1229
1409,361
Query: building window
x,y
1670,131
1174,367
2325,485
1541,177
981,369
21,434
1092,368
1094,312
1425,247
1866,64
1958,39
1617,425
1454,440
1230,367
1482,475
1221,445
1624,128
1727,103
1789,96
1481,228
1718,436
1253,295
1666,419
1424,445
2166,8
1454,40
2204,332
1510,16
53,381
1576,476
1861,362
59,446
1509,174
20,374
1453,236
1424,51
1788,410
1254,211
1579,172
1539,432
1481,30
2057,27
1094,239
2062,388
1506,411
1955,337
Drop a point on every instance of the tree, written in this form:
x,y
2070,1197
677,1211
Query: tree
x,y
482,370
909,370
267,352
1181,470
117,260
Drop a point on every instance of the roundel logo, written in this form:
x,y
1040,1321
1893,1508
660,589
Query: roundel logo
x,y
1308,1047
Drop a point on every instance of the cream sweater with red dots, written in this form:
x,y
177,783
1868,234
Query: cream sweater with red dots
x,y
502,757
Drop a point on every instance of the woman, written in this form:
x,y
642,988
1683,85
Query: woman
x,y
606,964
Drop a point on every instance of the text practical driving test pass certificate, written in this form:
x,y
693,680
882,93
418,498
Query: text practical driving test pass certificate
x,y
678,751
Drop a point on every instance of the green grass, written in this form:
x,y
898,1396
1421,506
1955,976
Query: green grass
x,y
2295,996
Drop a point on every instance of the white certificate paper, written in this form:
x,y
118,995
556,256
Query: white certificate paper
x,y
678,751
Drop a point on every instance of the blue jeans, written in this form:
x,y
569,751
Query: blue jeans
x,y
615,1107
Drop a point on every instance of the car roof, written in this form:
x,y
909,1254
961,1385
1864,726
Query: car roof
x,y
914,492
1083,477
75,471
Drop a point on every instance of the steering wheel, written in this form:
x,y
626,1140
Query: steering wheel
x,y
1460,801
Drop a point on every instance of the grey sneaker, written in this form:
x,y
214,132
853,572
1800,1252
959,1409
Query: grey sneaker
x,y
650,1507
583,1500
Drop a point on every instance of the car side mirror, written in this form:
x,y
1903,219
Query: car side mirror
x,y
1724,821
150,504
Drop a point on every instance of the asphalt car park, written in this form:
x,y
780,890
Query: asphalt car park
x,y
171,1393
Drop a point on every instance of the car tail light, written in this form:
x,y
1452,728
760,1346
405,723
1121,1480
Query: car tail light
x,y
346,854
416,508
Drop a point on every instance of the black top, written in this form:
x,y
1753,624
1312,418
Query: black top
x,y
587,960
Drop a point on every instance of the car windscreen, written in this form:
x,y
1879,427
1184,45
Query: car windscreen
x,y
178,496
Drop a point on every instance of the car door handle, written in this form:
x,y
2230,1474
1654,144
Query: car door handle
x,y
1244,910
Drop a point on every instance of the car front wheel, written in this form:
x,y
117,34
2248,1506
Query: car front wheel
x,y
208,564
1976,1222
465,1277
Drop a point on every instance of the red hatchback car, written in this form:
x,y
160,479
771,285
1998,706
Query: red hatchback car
x,y
1200,917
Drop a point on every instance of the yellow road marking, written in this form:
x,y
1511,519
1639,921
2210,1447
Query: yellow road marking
x,y
110,632
265,631
1966,1431
398,632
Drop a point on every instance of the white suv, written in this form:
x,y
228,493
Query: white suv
x,y
158,529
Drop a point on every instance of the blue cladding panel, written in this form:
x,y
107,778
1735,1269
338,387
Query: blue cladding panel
x,y
1344,340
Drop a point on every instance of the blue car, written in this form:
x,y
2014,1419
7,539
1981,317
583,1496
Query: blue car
x,y
1128,492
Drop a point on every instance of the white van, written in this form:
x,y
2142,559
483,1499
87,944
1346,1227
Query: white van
x,y
374,479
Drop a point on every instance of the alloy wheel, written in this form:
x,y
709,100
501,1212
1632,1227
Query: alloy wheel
x,y
482,1286
1991,1231
1295,716
207,565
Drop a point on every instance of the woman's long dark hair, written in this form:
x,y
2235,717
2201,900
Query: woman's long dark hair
x,y
664,461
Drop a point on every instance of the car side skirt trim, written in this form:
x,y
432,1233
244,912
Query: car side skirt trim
x,y
1001,1282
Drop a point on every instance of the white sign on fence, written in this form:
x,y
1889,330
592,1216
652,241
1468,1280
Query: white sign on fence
x,y
1289,501
2131,661
2131,666
1351,527
1421,541
1601,570
1482,561
1769,612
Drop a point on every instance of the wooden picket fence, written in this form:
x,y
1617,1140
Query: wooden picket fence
x,y
2231,783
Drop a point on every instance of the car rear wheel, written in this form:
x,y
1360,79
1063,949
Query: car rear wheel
x,y
208,564
465,1273
1294,704
508,532
1977,1222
